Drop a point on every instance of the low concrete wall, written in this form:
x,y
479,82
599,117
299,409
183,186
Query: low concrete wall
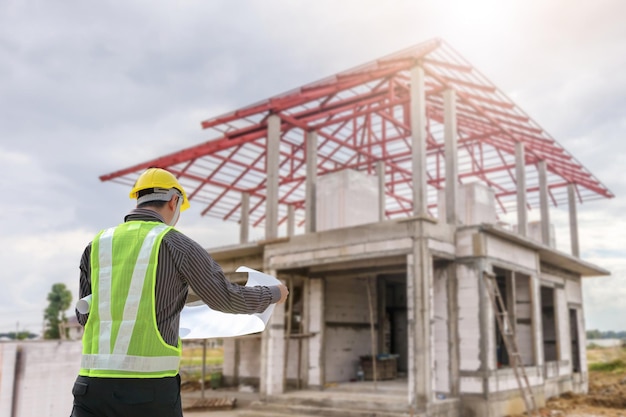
x,y
37,378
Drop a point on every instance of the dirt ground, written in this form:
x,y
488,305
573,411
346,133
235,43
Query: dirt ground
x,y
607,390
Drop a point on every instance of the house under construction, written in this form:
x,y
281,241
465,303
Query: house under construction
x,y
382,192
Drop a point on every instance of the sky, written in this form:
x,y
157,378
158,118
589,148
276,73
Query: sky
x,y
87,88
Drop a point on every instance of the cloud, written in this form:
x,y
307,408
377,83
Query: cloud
x,y
86,89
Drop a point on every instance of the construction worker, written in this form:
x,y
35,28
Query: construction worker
x,y
138,274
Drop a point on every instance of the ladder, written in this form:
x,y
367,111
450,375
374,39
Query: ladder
x,y
508,336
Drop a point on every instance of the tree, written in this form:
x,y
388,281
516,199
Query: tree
x,y
24,334
60,299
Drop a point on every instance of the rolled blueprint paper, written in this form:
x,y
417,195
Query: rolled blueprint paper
x,y
83,305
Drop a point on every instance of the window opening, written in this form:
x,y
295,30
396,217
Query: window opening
x,y
573,325
548,324
502,356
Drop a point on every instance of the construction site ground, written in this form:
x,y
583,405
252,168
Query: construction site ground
x,y
606,396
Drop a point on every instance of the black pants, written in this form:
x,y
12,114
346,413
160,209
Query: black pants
x,y
127,397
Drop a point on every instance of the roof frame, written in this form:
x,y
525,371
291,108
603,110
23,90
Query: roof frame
x,y
362,116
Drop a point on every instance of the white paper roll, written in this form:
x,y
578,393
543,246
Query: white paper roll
x,y
83,305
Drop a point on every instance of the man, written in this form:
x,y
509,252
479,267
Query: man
x,y
138,274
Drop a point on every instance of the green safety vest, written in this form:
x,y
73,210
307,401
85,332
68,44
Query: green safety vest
x,y
121,338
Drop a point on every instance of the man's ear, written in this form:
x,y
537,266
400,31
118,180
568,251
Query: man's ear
x,y
172,203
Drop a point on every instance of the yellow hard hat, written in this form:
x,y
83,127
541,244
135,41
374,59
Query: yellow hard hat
x,y
159,178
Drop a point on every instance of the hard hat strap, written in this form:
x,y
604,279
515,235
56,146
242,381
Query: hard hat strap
x,y
160,194
177,211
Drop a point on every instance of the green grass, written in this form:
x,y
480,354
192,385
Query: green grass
x,y
191,361
614,366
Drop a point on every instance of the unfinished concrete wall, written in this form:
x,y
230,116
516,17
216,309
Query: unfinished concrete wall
x,y
294,360
524,329
512,256
242,363
347,320
38,378
536,234
346,198
470,349
476,204
562,327
8,355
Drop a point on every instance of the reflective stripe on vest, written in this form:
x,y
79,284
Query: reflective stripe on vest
x,y
120,359
130,363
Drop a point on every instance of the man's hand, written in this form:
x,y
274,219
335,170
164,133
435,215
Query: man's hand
x,y
284,292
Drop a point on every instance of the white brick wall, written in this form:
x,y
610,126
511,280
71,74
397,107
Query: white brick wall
x,y
469,318
47,374
348,335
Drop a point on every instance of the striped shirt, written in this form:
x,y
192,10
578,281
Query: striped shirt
x,y
183,263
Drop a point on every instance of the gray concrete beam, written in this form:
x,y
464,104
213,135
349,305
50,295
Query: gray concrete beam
x,y
310,225
244,224
573,219
418,141
453,330
272,352
543,203
520,177
451,155
291,220
380,172
420,273
272,152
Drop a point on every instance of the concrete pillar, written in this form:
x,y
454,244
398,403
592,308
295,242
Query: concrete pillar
x,y
315,326
451,155
273,352
453,330
543,203
486,323
380,172
520,177
272,160
573,219
535,297
310,225
420,314
291,220
244,224
411,332
418,141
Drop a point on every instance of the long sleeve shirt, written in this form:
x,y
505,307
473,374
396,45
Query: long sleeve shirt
x,y
183,263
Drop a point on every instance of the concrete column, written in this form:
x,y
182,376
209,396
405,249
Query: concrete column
x,y
315,326
380,171
573,219
453,330
272,160
273,352
291,220
419,298
411,332
535,300
310,223
451,154
418,141
487,323
520,176
244,224
543,203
